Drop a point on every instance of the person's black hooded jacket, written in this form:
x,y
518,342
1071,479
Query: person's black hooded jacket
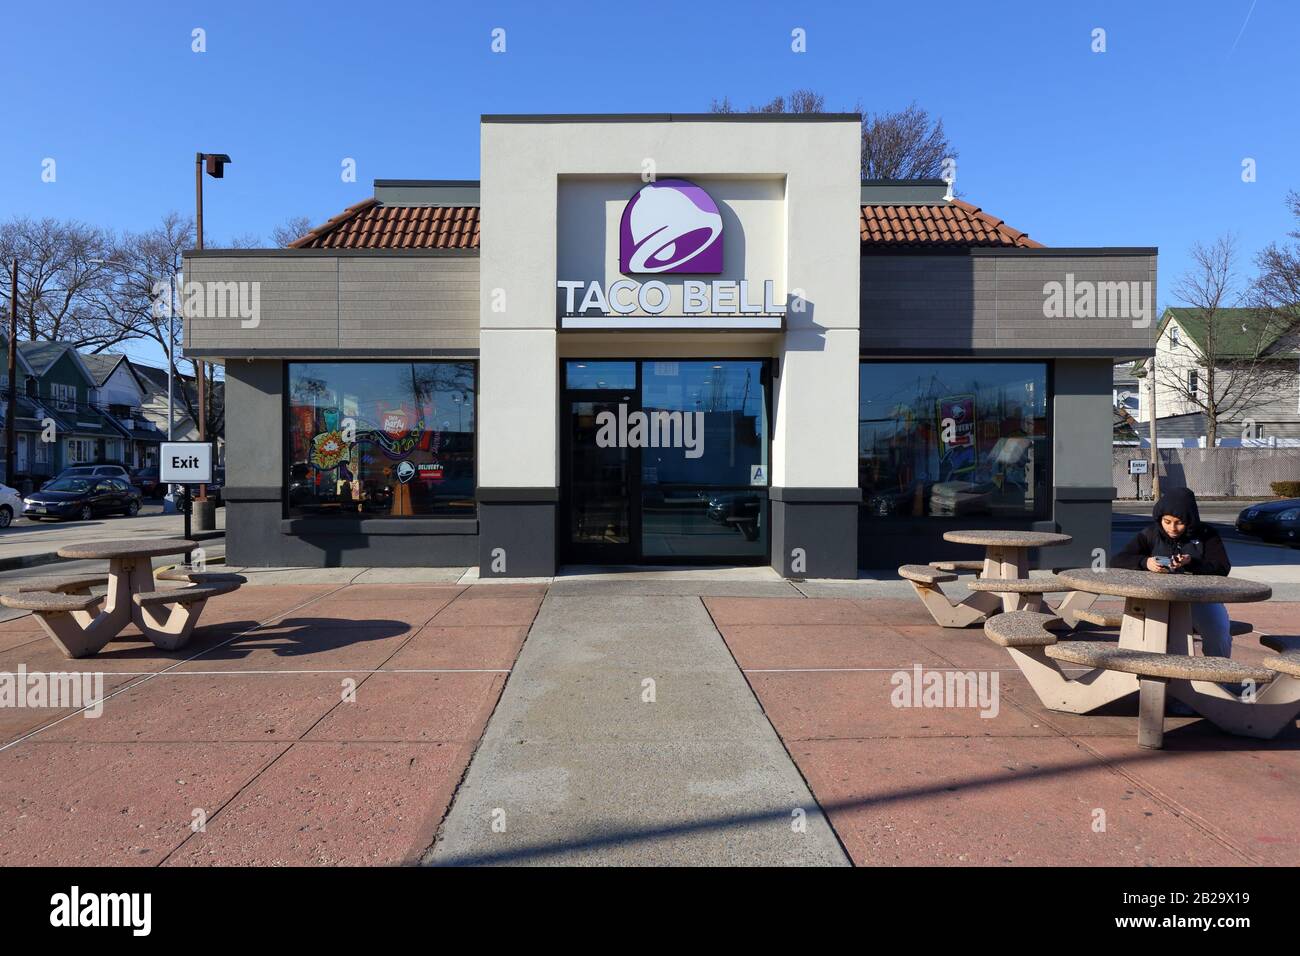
x,y
1198,540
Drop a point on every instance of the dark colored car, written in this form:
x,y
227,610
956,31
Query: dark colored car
x,y
99,470
82,498
146,479
1272,521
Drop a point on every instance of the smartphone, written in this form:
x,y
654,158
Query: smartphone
x,y
1163,561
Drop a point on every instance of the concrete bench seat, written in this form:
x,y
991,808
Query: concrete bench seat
x,y
184,595
74,584
924,574
958,565
1043,585
1288,662
1116,618
1166,666
50,602
1101,618
192,576
1281,642
1154,671
1020,629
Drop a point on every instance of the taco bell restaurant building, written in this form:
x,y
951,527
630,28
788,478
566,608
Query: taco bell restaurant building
x,y
666,339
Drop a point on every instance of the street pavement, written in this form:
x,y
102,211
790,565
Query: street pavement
x,y
29,543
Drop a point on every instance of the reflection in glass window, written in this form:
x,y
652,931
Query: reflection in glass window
x,y
706,496
946,439
380,439
589,374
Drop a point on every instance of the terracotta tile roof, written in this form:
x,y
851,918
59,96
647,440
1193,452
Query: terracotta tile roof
x,y
368,225
950,224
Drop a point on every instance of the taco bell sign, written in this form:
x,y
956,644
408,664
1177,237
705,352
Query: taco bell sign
x,y
670,227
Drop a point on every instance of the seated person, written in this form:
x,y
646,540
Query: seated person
x,y
1187,546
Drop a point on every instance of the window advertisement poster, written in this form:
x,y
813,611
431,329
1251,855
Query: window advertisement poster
x,y
958,454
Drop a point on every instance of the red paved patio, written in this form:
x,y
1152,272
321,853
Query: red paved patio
x,y
248,726
945,786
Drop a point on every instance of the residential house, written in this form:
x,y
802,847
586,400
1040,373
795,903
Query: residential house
x,y
120,392
154,404
1240,335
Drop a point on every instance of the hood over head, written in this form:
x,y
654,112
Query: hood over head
x,y
1181,503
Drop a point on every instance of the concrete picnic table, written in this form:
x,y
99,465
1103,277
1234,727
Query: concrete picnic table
x,y
1002,584
1158,607
65,607
1158,622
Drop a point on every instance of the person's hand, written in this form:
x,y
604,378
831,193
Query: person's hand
x,y
1152,565
1182,560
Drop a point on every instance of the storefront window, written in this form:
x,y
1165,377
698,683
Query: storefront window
x,y
952,439
377,439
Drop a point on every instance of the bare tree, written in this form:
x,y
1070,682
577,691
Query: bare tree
x,y
905,144
1277,286
292,228
61,280
146,298
1227,348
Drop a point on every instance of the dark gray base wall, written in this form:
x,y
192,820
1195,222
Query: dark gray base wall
x,y
258,536
1082,513
815,532
887,543
517,532
1085,515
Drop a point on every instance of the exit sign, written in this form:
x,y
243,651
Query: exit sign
x,y
185,463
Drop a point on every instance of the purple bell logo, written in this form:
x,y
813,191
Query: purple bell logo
x,y
671,225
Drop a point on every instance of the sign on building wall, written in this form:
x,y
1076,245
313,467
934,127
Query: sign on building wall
x,y
670,227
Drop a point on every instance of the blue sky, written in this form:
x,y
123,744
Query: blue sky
x,y
1139,145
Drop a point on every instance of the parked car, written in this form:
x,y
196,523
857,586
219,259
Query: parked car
x,y
11,504
1272,521
99,470
146,479
82,498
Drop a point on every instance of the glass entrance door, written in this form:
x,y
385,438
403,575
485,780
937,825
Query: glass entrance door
x,y
665,461
599,480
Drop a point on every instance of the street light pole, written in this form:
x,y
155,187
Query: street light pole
x,y
215,166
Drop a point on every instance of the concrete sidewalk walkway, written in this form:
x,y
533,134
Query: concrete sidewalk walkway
x,y
627,735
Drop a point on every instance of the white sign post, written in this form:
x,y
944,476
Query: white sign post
x,y
185,463
1137,467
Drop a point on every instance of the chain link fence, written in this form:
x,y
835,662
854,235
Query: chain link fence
x,y
1210,472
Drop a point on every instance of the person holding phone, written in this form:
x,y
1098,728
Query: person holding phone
x,y
1178,542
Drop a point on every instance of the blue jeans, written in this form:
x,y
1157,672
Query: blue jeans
x,y
1211,622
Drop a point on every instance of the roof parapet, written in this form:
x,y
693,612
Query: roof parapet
x,y
427,192
903,192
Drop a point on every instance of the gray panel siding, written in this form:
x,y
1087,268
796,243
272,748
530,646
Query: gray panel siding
x,y
989,301
341,302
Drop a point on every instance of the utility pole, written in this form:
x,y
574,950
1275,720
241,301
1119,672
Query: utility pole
x,y
11,414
